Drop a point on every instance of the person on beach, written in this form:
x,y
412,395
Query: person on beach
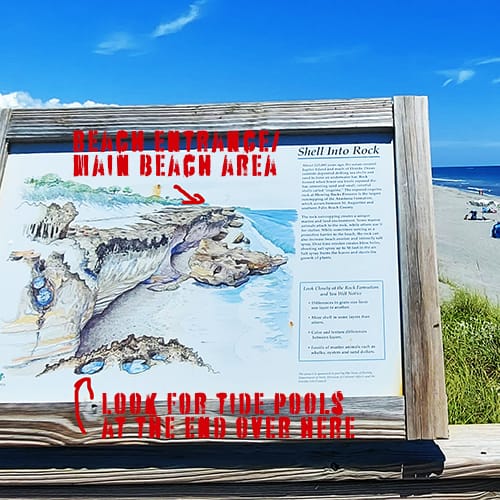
x,y
472,215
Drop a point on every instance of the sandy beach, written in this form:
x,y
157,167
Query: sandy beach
x,y
467,254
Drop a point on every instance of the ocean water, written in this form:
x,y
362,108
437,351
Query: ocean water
x,y
470,179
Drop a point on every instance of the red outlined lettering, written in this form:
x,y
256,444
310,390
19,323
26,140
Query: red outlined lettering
x,y
319,416
78,386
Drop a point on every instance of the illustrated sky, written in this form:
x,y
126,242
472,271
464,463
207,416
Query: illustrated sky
x,y
62,53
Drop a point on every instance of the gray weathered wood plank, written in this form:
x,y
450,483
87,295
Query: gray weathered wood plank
x,y
58,124
364,490
5,115
426,410
471,454
48,424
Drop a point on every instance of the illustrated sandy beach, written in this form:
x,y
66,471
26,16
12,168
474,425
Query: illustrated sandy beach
x,y
467,254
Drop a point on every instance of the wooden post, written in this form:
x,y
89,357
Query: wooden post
x,y
426,410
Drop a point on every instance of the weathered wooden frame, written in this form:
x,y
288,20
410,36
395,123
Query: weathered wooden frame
x,y
421,413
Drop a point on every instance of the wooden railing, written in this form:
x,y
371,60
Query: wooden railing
x,y
465,466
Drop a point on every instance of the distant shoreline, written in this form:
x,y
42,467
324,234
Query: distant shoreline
x,y
476,180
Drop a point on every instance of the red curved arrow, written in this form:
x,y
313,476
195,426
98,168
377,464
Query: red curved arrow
x,y
192,199
78,385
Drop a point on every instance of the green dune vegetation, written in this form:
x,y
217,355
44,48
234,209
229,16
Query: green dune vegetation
x,y
51,186
471,341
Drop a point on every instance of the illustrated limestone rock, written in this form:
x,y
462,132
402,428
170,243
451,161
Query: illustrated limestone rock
x,y
58,304
83,269
66,289
236,222
132,354
214,263
239,238
54,222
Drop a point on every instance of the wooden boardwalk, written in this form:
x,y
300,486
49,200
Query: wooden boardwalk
x,y
465,466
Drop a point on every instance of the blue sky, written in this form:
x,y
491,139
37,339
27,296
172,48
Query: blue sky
x,y
185,51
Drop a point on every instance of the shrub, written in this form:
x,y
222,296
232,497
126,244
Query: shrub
x,y
471,341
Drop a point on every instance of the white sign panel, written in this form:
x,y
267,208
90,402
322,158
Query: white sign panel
x,y
284,280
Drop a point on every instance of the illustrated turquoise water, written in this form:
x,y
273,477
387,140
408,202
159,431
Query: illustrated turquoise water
x,y
268,296
275,225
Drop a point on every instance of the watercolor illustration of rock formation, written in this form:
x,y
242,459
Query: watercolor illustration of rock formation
x,y
85,268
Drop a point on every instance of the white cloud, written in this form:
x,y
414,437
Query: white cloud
x,y
115,43
179,23
20,99
456,76
489,60
122,41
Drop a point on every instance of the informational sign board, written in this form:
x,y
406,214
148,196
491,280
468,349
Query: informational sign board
x,y
219,272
